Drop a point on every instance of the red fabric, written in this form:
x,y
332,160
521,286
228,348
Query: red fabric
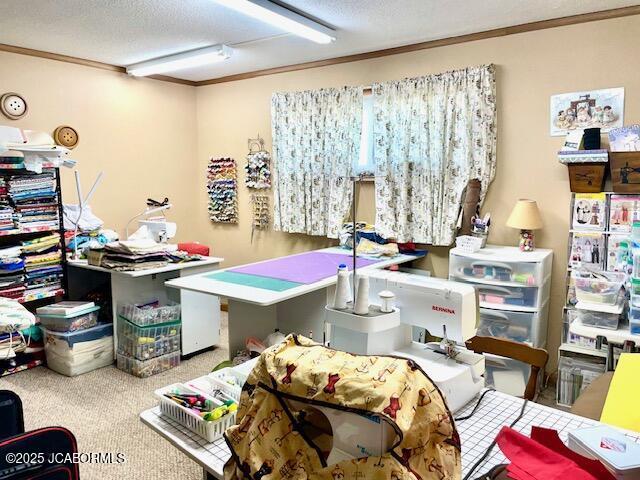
x,y
550,439
537,461
194,248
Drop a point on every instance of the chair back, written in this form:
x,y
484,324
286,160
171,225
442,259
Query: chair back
x,y
11,414
537,358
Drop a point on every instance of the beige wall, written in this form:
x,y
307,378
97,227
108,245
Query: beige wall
x,y
140,132
530,68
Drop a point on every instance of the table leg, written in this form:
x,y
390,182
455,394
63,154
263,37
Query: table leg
x,y
304,315
249,320
208,476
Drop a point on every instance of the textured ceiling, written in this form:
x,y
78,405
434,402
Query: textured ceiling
x,y
123,32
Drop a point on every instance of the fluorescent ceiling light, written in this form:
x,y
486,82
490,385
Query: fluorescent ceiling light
x,y
180,61
282,18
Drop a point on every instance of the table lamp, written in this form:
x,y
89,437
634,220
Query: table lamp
x,y
525,216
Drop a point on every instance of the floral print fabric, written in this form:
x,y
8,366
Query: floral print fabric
x,y
316,137
432,134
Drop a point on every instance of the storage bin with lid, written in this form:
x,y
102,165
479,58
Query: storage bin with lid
x,y
598,287
150,313
74,353
149,341
88,334
147,368
70,323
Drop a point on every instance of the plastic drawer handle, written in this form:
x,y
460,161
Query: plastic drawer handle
x,y
499,315
492,265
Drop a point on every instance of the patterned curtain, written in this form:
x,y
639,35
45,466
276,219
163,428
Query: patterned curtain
x,y
432,135
316,139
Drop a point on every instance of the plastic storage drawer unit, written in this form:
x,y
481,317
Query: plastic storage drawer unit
x,y
147,368
495,272
70,323
492,295
517,326
591,318
148,342
152,313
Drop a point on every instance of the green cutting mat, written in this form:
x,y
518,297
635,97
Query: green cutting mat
x,y
266,283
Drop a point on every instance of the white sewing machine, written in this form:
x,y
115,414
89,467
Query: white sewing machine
x,y
444,308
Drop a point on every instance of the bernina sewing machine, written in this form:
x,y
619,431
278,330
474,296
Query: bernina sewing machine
x,y
445,309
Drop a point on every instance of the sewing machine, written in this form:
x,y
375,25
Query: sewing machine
x,y
446,309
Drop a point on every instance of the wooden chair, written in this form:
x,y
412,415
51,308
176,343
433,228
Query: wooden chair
x,y
535,357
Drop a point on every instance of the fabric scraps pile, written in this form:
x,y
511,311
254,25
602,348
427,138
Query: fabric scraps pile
x,y
131,255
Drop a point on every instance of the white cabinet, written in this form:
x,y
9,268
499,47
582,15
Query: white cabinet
x,y
513,290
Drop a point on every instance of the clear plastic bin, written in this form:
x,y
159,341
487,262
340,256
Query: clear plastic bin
x,y
148,342
468,268
634,327
515,326
151,313
574,375
512,296
634,314
599,287
73,323
635,286
147,368
595,319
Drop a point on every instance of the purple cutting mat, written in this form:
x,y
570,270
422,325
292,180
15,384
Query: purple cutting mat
x,y
305,268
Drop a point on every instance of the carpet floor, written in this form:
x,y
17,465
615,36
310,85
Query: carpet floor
x,y
101,408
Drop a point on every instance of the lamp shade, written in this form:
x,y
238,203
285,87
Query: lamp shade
x,y
525,215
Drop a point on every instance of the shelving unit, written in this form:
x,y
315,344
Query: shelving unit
x,y
34,300
513,288
585,350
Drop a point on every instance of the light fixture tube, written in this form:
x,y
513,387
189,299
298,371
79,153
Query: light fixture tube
x,y
282,18
180,61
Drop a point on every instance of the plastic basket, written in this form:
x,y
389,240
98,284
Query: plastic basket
x,y
148,342
147,368
217,381
151,313
469,244
209,430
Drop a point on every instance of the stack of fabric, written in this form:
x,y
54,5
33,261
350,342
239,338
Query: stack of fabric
x,y
35,201
11,272
6,211
130,255
42,263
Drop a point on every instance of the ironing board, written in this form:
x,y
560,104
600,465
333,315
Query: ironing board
x,y
292,299
476,433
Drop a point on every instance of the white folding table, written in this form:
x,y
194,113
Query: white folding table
x,y
476,433
200,313
258,312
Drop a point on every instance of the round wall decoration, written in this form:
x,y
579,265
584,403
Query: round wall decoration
x,y
66,136
13,106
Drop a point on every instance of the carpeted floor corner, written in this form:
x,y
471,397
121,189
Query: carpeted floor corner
x,y
101,408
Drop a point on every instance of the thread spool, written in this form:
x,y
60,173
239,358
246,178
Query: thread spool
x,y
362,297
341,297
387,300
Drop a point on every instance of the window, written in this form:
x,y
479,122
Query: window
x,y
365,161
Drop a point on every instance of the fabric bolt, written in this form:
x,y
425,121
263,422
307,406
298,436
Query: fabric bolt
x,y
432,134
316,137
305,268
